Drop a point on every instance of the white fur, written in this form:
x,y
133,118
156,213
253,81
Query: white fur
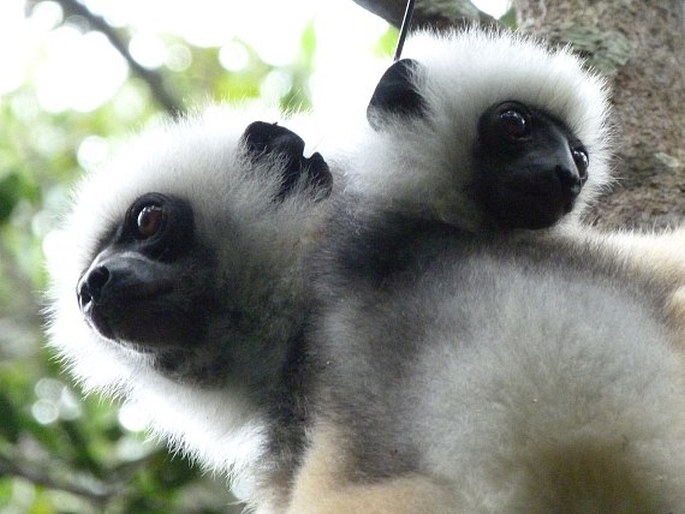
x,y
504,393
568,397
521,386
197,159
536,389
422,164
656,255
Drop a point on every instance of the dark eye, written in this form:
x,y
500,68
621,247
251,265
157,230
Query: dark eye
x,y
149,221
514,124
582,160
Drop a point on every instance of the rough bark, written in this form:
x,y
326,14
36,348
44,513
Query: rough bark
x,y
640,47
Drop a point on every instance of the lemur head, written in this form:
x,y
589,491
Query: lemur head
x,y
183,257
487,131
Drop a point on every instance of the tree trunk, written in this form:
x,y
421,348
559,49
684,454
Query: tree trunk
x,y
640,47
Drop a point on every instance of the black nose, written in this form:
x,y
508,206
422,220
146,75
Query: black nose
x,y
91,286
569,180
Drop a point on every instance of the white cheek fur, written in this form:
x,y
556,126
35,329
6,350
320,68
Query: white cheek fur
x,y
197,159
423,164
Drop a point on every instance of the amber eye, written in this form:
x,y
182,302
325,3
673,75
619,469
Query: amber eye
x,y
582,160
149,221
514,124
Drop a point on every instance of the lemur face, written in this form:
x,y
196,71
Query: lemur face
x,y
529,167
488,133
152,284
185,253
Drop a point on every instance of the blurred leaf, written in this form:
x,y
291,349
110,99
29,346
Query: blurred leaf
x,y
10,427
42,503
508,19
308,46
84,458
385,46
10,194
5,491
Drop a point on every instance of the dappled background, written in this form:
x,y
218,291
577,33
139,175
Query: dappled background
x,y
75,81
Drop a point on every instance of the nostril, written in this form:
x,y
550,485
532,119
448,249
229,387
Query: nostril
x,y
92,284
83,294
569,179
97,278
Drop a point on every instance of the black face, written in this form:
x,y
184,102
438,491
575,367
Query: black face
x,y
529,167
151,284
156,287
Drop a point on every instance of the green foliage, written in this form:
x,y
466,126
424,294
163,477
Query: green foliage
x,y
58,451
385,47
508,19
297,96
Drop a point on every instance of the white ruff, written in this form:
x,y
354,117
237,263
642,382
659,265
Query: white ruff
x,y
198,159
424,163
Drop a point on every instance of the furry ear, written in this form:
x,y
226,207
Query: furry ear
x,y
396,94
263,139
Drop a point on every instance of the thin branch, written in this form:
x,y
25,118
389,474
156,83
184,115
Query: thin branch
x,y
438,14
154,80
98,493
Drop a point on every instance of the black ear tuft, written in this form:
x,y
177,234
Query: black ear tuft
x,y
263,139
319,174
396,94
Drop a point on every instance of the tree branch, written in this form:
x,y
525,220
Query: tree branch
x,y
97,493
439,14
154,80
